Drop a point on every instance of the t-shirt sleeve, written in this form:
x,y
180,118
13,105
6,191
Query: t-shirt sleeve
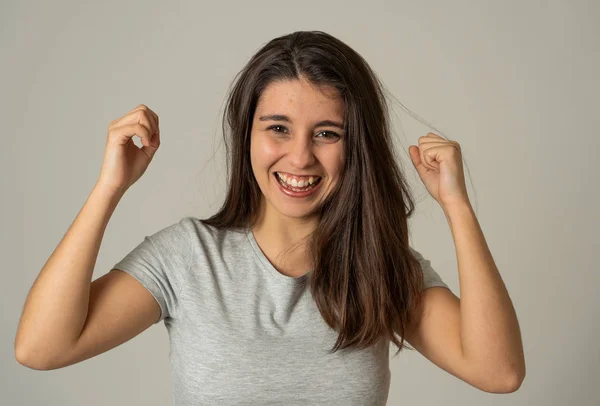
x,y
159,263
430,276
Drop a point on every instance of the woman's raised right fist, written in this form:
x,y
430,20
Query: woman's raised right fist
x,y
124,163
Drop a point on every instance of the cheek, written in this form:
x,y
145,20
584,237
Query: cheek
x,y
334,162
264,153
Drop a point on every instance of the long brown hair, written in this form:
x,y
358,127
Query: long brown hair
x,y
366,282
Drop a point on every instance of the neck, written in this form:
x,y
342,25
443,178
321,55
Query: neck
x,y
283,241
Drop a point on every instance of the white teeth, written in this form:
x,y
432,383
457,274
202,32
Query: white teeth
x,y
293,182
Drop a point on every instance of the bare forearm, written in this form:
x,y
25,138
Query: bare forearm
x,y
56,307
490,332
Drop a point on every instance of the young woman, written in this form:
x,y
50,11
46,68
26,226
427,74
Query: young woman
x,y
293,291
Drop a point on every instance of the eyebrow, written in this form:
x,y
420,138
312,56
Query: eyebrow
x,y
281,117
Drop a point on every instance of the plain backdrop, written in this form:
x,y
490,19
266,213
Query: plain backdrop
x,y
514,82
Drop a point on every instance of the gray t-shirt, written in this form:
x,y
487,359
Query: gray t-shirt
x,y
242,333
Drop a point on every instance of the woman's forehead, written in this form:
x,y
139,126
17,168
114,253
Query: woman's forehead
x,y
302,97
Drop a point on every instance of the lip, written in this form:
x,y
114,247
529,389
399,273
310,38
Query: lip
x,y
291,193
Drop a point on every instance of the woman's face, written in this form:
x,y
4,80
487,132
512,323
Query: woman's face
x,y
295,132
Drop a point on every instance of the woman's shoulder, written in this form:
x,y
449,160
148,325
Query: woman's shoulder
x,y
201,231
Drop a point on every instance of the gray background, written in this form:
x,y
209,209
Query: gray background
x,y
514,82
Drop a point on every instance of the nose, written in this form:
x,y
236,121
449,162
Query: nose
x,y
301,151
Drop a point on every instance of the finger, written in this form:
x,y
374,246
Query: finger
x,y
126,116
155,129
130,117
116,120
152,147
427,139
423,155
428,157
434,136
122,134
153,117
139,116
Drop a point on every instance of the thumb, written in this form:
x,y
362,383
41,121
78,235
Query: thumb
x,y
415,157
413,151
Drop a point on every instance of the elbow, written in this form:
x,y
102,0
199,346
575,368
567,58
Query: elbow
x,y
500,380
516,377
25,359
30,360
508,384
23,353
514,382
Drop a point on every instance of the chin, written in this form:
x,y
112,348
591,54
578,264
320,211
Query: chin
x,y
297,211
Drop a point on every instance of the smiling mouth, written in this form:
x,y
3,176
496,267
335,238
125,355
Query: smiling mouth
x,y
295,188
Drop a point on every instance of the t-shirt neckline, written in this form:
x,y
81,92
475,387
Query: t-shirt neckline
x,y
269,266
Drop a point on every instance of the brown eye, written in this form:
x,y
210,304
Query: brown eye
x,y
330,135
274,127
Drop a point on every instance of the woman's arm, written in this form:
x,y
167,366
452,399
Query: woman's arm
x,y
475,338
490,334
57,304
